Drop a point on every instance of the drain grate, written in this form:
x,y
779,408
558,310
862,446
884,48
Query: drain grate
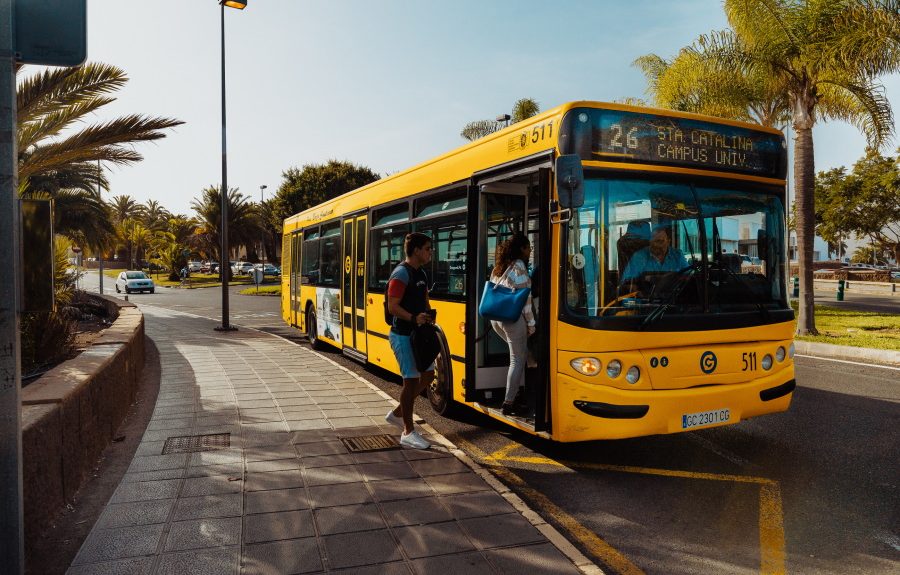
x,y
194,443
365,443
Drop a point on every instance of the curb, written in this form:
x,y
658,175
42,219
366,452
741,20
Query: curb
x,y
884,357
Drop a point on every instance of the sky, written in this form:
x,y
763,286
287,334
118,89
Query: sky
x,y
382,83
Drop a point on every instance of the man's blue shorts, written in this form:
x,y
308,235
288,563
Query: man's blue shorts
x,y
403,351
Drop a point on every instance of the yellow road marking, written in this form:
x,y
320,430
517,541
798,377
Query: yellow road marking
x,y
595,545
771,514
771,530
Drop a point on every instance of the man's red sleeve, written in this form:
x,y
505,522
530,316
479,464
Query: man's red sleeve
x,y
396,288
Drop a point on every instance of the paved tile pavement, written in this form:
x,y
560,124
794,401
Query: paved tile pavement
x,y
286,496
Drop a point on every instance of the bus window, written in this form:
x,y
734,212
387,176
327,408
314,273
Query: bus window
x,y
391,215
387,253
442,204
644,248
447,271
310,259
330,266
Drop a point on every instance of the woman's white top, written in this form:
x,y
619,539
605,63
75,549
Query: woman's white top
x,y
516,277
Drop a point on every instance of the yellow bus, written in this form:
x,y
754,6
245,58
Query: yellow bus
x,y
620,351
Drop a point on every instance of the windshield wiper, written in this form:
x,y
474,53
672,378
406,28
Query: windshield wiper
x,y
684,277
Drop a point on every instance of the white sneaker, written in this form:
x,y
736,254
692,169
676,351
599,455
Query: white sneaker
x,y
394,420
414,440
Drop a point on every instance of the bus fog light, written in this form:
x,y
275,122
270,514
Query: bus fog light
x,y
586,365
779,354
791,351
767,362
633,374
614,368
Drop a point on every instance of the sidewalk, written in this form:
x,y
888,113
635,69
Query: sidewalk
x,y
281,493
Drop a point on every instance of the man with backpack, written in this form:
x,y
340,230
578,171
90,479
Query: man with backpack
x,y
407,302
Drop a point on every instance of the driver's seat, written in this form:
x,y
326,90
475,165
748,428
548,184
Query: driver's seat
x,y
636,236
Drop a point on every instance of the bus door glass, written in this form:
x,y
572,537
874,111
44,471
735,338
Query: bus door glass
x,y
502,212
296,247
353,287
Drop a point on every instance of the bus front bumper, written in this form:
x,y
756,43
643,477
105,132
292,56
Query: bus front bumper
x,y
589,412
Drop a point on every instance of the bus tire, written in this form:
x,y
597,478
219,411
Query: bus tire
x,y
440,390
312,329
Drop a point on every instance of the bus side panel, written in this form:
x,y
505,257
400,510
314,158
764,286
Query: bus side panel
x,y
378,347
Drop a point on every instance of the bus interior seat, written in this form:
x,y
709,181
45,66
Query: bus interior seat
x,y
636,236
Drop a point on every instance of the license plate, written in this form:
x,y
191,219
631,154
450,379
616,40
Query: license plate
x,y
689,420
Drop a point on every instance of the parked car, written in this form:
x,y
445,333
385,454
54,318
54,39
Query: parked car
x,y
131,280
269,269
242,268
194,267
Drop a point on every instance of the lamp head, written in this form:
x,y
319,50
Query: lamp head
x,y
239,4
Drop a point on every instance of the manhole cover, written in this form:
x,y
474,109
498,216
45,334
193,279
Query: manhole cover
x,y
369,443
192,443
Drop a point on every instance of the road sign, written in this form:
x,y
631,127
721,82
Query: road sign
x,y
51,32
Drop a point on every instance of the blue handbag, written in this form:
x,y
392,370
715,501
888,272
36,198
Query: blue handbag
x,y
501,303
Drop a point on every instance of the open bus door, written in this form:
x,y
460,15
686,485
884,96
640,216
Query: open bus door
x,y
501,206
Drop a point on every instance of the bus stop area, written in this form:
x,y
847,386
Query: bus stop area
x,y
264,457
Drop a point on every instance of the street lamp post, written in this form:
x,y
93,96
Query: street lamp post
x,y
223,227
262,229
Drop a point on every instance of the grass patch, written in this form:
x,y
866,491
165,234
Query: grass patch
x,y
263,290
856,328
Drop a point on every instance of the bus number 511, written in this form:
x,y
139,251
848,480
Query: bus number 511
x,y
749,361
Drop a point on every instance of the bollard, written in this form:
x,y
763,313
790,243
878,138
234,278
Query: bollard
x,y
796,281
840,290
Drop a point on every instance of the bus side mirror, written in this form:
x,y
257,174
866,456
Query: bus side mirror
x,y
570,181
762,244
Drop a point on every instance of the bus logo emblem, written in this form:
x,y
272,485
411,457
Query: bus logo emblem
x,y
708,362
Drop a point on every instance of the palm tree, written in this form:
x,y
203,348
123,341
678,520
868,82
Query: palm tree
x,y
243,221
523,109
155,216
125,207
822,58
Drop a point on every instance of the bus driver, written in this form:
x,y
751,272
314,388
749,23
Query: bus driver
x,y
659,256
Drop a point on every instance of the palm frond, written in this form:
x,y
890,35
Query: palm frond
x,y
56,88
861,103
100,142
865,35
53,122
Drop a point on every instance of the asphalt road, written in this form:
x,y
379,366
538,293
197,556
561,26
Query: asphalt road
x,y
814,490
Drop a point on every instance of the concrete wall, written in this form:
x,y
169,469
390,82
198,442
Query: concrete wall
x,y
69,415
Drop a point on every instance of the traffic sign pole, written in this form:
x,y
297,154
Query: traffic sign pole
x,y
12,538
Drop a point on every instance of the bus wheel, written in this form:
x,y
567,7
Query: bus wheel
x,y
312,330
440,390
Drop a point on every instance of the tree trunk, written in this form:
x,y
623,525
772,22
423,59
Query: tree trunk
x,y
804,196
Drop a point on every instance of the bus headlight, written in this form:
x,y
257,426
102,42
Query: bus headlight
x,y
779,354
633,374
586,365
614,368
791,351
767,362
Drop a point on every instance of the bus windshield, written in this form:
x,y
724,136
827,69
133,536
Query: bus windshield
x,y
642,249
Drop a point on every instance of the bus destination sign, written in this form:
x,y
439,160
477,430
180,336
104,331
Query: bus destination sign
x,y
619,136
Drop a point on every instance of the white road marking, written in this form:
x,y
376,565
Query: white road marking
x,y
878,365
